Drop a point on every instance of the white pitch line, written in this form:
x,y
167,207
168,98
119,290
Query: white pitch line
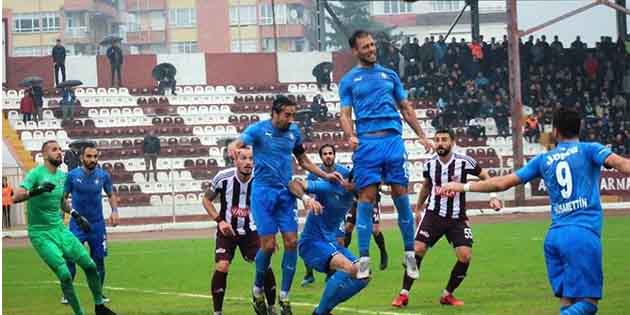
x,y
205,296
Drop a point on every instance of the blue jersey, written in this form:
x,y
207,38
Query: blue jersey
x,y
571,173
86,190
336,202
374,94
273,149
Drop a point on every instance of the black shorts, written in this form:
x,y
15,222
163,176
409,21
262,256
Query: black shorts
x,y
433,227
351,216
248,244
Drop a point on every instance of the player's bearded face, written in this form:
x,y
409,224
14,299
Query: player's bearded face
x,y
365,50
90,158
245,162
443,145
53,154
328,157
283,119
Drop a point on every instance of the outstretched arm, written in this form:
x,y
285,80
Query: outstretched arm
x,y
234,146
298,187
308,165
618,162
494,184
495,203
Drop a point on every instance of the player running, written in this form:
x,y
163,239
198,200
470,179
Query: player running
x,y
85,184
318,246
43,188
571,171
272,205
376,95
327,155
235,226
445,214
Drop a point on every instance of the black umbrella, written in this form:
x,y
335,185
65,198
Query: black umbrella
x,y
30,81
223,142
108,40
69,83
163,70
322,68
80,143
303,114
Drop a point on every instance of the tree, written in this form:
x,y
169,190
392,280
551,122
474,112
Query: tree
x,y
347,16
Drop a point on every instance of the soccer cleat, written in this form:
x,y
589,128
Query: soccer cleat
x,y
271,310
101,309
364,268
401,301
307,281
384,260
259,304
451,300
285,307
106,299
410,266
64,301
315,313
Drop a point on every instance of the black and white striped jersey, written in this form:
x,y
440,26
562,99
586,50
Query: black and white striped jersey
x,y
234,197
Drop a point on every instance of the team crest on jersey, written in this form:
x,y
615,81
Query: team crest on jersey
x,y
96,181
384,76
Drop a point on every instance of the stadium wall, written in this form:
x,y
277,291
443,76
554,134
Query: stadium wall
x,y
88,73
136,71
249,68
298,67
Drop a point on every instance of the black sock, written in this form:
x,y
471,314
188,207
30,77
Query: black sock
x,y
270,287
219,280
408,282
309,271
457,276
380,242
347,239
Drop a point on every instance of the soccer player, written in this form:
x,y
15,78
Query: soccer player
x,y
235,226
318,246
272,205
43,188
327,154
445,214
571,171
379,238
376,95
86,184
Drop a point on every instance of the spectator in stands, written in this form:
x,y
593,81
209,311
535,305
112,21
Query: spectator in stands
x,y
619,144
151,150
591,67
318,108
59,61
532,129
7,201
27,105
168,82
407,50
38,102
72,158
426,54
67,103
115,56
323,79
411,70
476,49
476,129
439,51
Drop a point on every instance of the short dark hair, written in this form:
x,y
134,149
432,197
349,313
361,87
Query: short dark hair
x,y
327,145
352,41
89,145
280,102
567,121
46,143
450,132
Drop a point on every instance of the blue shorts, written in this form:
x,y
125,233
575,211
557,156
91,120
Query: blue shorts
x,y
317,254
96,238
380,159
573,256
274,209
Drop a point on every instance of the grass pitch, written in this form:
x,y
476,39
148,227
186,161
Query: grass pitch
x,y
507,276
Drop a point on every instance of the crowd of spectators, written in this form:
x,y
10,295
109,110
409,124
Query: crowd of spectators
x,y
470,80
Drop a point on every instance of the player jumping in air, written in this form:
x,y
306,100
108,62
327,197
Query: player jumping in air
x,y
571,172
235,226
272,205
86,184
318,246
43,188
445,214
377,97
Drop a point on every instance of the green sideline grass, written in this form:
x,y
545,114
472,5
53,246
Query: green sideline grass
x,y
507,276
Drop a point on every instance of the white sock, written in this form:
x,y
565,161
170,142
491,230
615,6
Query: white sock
x,y
404,292
284,295
257,291
445,293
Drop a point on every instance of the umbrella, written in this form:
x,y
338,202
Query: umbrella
x,y
163,70
79,144
223,142
30,81
69,83
322,68
108,40
303,114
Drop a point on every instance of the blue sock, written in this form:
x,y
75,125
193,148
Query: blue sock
x,y
100,269
405,220
289,261
349,288
331,289
263,260
580,308
364,227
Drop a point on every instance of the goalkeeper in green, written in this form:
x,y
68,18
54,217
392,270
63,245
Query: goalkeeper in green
x,y
43,188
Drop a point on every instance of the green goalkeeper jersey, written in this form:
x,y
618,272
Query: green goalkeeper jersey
x,y
44,210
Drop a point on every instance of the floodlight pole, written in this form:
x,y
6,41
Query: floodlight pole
x,y
516,102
